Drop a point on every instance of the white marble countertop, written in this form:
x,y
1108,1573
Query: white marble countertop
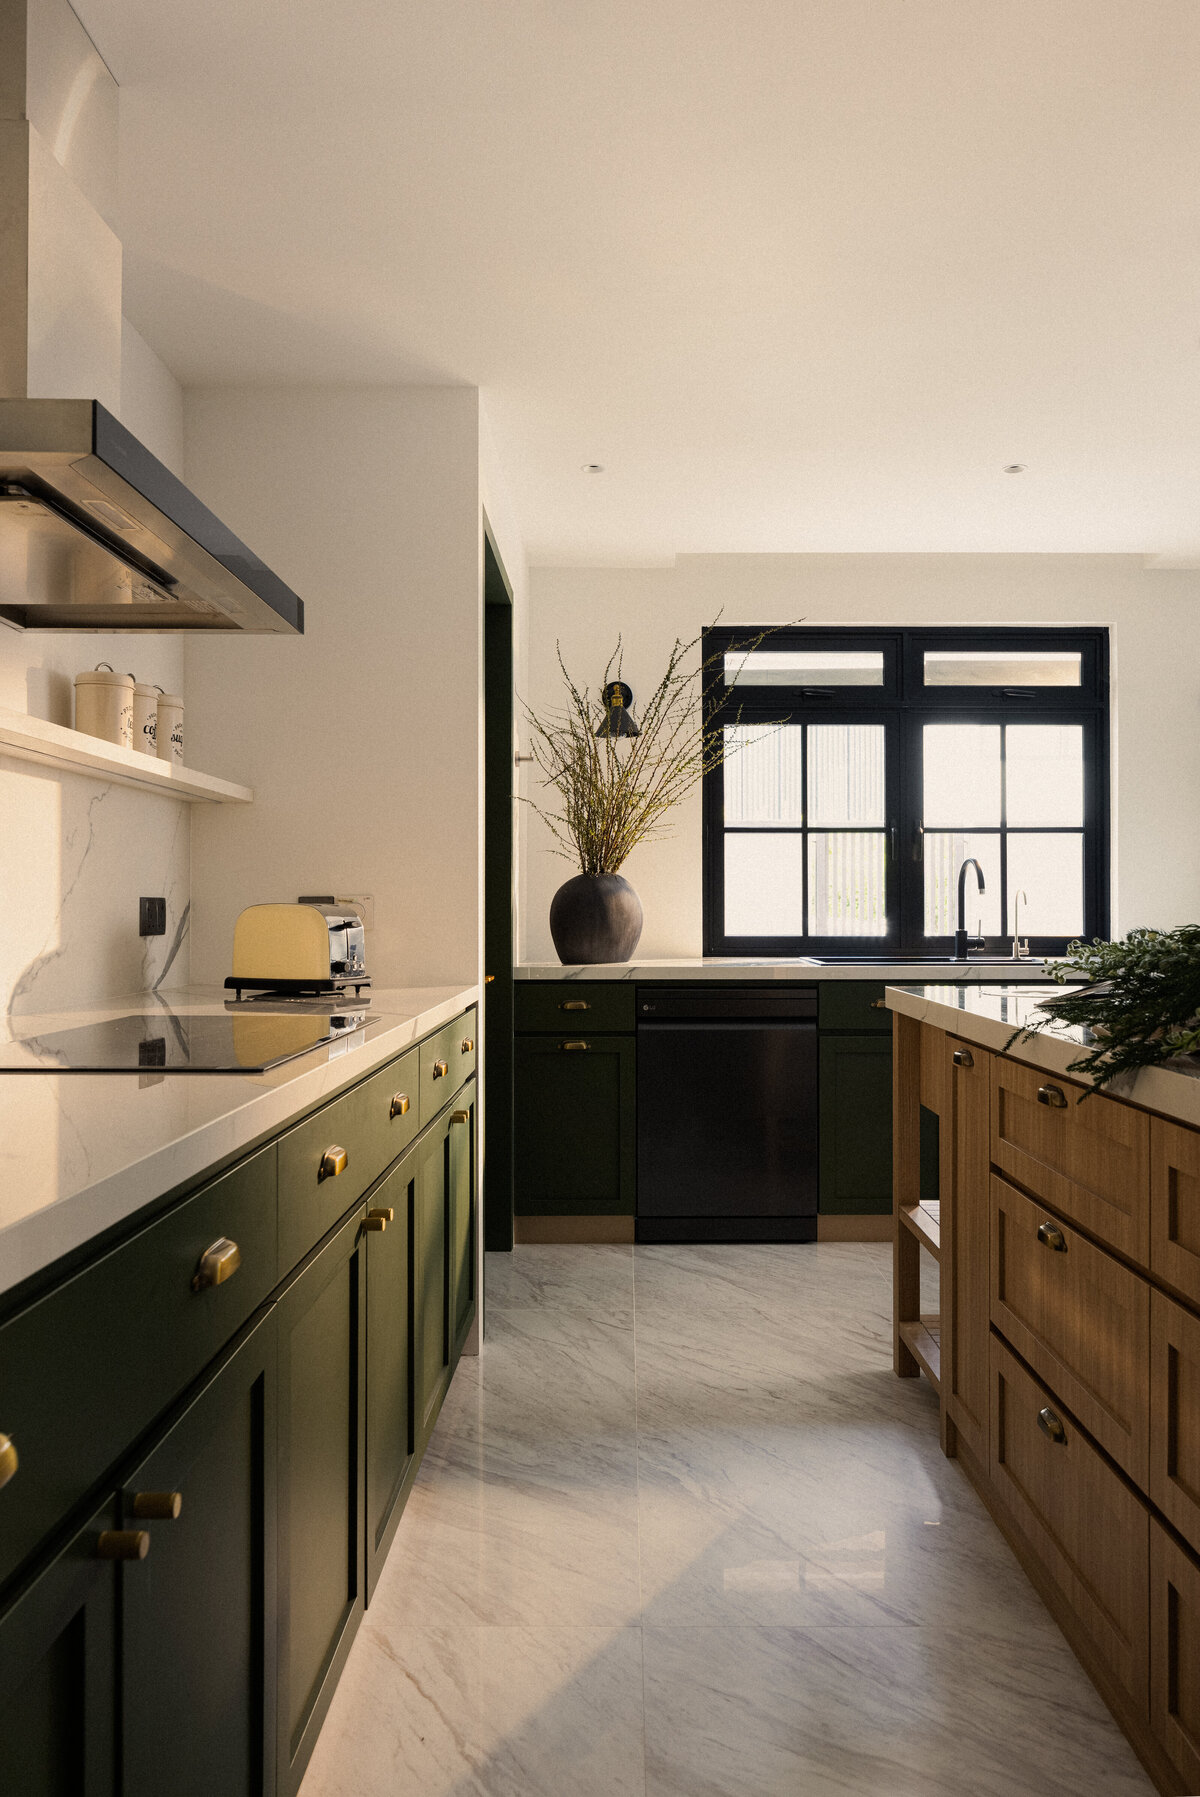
x,y
85,1151
989,1015
800,968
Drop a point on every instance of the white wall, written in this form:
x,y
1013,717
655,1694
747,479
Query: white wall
x,y
79,852
1153,614
361,738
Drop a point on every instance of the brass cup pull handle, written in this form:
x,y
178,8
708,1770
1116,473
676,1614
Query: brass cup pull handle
x,y
1051,1425
467,1045
219,1262
8,1459
375,1221
574,1004
1052,1237
460,1116
440,1069
963,1057
157,1506
334,1161
123,1544
399,1106
879,1004
1053,1096
573,1047
386,1211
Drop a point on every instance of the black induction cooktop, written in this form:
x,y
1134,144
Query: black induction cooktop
x,y
140,1042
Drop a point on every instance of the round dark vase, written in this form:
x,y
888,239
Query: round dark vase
x,y
595,917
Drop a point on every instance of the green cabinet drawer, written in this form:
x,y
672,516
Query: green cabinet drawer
x,y
447,1060
575,1129
856,1124
313,1192
392,1103
587,1006
852,1005
86,1369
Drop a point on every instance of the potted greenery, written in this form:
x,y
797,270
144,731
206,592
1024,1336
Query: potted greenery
x,y
1140,1000
614,784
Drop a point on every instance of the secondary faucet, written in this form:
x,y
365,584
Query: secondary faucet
x,y
1020,949
963,942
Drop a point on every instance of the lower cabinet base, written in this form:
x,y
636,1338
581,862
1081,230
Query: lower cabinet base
x,y
1132,1724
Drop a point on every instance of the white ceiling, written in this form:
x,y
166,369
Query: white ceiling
x,y
801,274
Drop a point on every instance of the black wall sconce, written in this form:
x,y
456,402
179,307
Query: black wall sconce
x,y
618,718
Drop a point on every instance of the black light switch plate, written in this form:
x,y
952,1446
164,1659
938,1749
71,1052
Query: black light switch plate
x,y
152,917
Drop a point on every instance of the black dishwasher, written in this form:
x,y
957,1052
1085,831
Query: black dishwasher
x,y
727,1114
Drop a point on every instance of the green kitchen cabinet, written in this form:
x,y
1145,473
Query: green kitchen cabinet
x,y
855,1074
58,1671
576,1144
197,1649
320,1487
391,1411
431,1282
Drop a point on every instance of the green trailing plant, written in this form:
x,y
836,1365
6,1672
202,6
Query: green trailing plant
x,y
1140,1000
614,792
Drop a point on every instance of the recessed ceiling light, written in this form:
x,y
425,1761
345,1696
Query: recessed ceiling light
x,y
1015,468
593,468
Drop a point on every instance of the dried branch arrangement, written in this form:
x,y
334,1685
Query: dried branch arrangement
x,y
616,791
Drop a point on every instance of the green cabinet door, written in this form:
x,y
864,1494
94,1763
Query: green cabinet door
x,y
320,1486
856,1124
431,1283
461,1175
391,1415
576,1142
58,1654
197,1661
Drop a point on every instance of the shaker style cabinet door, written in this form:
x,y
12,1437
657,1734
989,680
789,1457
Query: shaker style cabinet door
x,y
320,1485
856,1124
576,1120
431,1283
58,1659
391,1411
461,1175
197,1663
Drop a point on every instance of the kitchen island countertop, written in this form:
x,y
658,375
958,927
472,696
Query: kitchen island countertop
x,y
87,1152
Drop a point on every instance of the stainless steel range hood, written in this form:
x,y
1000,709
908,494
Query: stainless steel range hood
x,y
96,534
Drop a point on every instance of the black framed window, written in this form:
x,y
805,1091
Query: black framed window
x,y
864,766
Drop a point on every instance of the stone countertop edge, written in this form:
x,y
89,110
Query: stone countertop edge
x,y
212,1119
802,973
990,1018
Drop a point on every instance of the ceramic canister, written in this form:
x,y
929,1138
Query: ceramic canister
x,y
170,728
104,705
145,716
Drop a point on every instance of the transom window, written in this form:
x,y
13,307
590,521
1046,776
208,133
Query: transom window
x,y
863,767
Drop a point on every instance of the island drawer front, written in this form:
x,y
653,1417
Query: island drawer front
x,y
1080,1318
1175,1654
86,1369
852,1005
1090,1161
392,1101
1175,1206
1174,1482
1084,1525
594,1006
454,1049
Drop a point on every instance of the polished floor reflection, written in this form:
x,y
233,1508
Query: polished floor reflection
x,y
681,1533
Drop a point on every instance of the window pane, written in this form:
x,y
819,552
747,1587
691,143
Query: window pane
x,y
845,774
762,775
962,774
764,884
805,667
845,884
1044,774
945,852
1050,870
1002,667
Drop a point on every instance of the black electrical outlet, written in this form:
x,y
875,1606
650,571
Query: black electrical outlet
x,y
152,917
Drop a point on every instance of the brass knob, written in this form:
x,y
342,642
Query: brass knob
x,y
1054,1096
460,1116
879,1004
1052,1236
489,979
467,1045
963,1057
8,1459
385,1211
399,1105
219,1262
574,1004
573,1047
375,1222
123,1544
157,1506
334,1161
440,1069
1051,1425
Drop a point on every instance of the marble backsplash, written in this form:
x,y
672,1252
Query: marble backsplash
x,y
78,855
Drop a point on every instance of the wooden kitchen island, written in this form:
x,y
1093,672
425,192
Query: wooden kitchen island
x,y
1065,1348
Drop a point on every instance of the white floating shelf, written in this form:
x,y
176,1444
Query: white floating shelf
x,y
33,739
